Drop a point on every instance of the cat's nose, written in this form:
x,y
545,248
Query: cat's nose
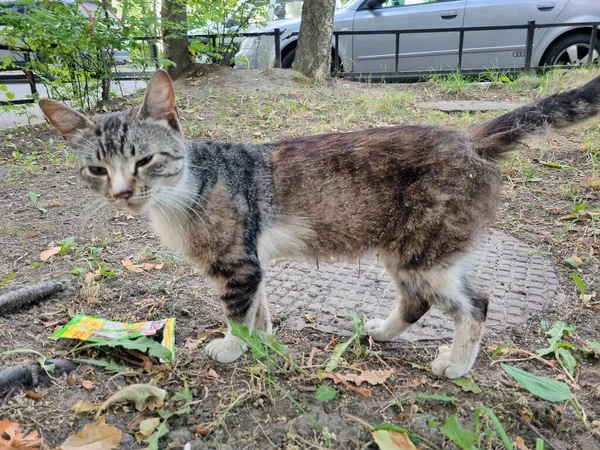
x,y
124,195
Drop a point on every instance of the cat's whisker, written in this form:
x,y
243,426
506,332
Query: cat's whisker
x,y
192,197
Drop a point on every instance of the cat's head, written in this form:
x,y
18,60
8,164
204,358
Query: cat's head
x,y
133,157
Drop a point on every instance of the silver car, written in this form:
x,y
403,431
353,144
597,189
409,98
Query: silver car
x,y
438,50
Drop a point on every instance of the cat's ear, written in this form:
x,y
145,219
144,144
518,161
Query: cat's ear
x,y
159,101
65,119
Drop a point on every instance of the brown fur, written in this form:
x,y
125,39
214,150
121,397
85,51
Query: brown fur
x,y
418,193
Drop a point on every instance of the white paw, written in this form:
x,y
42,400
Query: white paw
x,y
225,350
443,366
377,330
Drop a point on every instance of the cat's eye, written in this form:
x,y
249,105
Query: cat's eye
x,y
98,171
144,161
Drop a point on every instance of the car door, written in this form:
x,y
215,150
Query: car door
x,y
504,48
423,51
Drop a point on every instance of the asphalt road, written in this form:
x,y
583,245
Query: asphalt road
x,y
30,113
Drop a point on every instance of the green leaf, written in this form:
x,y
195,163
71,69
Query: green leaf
x,y
574,261
580,207
499,428
270,341
108,365
433,424
567,359
34,198
594,345
7,278
143,344
10,95
579,282
462,438
339,350
3,87
467,385
325,393
539,444
186,394
553,391
556,333
152,441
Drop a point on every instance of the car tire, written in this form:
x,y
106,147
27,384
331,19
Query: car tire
x,y
571,51
288,61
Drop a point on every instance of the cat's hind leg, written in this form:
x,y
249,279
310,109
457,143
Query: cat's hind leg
x,y
241,289
410,307
468,309
447,287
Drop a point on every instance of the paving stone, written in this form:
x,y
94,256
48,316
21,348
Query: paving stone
x,y
519,284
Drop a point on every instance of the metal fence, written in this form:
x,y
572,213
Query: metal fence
x,y
340,67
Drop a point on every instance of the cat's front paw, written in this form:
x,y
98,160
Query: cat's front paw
x,y
443,366
377,330
225,350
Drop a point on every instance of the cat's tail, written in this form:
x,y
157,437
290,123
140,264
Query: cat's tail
x,y
497,136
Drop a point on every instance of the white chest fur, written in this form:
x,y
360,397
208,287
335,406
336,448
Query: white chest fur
x,y
169,227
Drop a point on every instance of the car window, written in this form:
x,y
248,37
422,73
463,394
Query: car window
x,y
394,3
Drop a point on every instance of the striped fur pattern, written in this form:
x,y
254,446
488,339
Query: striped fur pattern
x,y
416,195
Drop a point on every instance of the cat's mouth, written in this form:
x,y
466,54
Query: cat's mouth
x,y
126,205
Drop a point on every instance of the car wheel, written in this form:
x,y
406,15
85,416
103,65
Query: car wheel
x,y
286,63
572,50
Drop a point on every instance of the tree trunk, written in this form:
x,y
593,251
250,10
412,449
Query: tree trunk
x,y
313,54
174,19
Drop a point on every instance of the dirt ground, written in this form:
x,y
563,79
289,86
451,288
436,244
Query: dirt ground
x,y
551,201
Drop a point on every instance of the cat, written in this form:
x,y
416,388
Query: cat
x,y
416,195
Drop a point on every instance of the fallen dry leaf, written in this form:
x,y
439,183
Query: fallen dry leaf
x,y
202,431
147,427
339,380
520,443
192,343
87,384
16,439
210,373
130,266
96,436
33,395
143,396
596,423
48,253
373,377
84,406
140,268
392,440
54,204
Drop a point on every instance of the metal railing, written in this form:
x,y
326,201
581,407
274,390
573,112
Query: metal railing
x,y
530,27
278,36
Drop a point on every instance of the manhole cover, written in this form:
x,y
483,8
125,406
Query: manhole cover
x,y
518,282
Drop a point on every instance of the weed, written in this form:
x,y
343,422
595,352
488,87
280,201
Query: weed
x,y
34,199
67,245
358,322
453,83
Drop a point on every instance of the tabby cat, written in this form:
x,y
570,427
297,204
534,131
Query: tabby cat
x,y
416,195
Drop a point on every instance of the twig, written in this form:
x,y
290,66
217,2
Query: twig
x,y
29,294
525,352
19,259
536,432
358,420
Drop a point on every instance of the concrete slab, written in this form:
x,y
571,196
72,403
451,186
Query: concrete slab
x,y
518,282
